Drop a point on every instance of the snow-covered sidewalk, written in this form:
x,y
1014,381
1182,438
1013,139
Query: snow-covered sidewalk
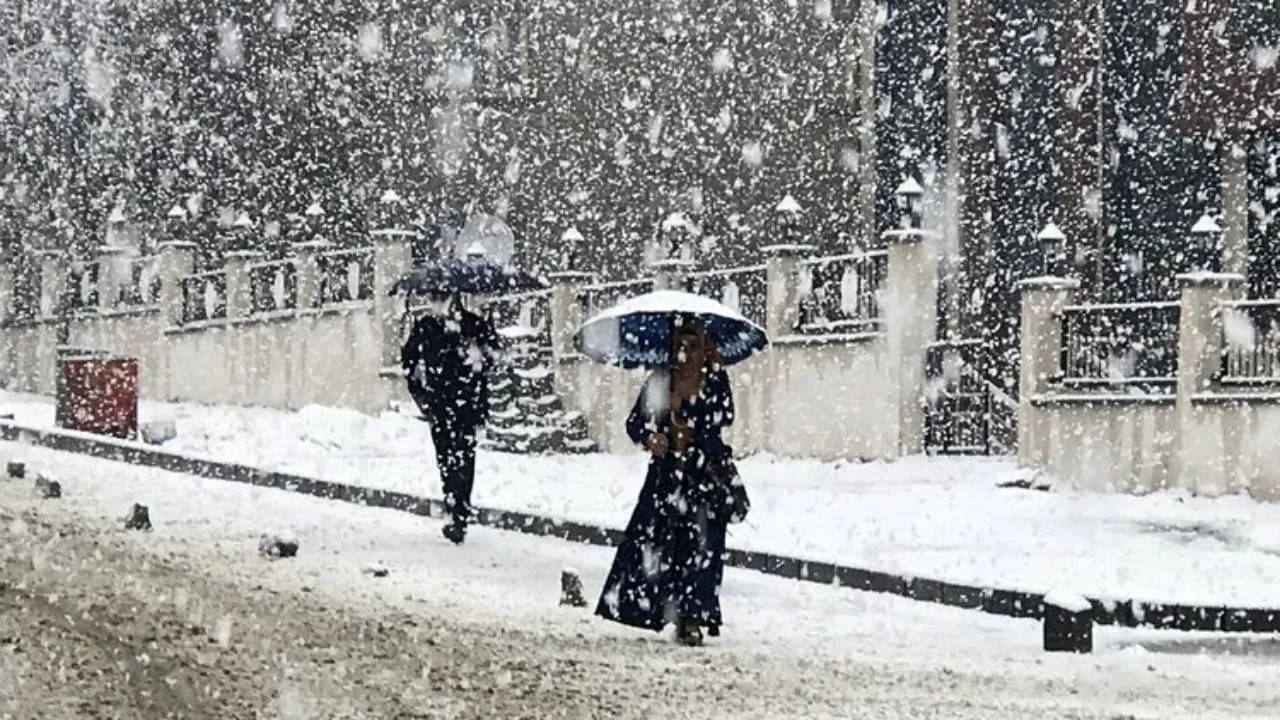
x,y
943,518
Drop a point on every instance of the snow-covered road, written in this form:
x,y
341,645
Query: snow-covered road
x,y
476,631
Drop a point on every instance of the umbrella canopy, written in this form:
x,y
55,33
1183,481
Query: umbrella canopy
x,y
478,276
637,333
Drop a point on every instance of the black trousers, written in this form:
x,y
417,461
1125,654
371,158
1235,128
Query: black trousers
x,y
456,457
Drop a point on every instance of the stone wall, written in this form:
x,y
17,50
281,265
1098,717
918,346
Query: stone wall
x,y
215,339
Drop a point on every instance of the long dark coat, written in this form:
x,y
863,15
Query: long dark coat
x,y
671,560
445,361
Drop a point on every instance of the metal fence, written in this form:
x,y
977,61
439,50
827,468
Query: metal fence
x,y
142,286
841,294
346,275
273,286
744,289
204,297
965,414
522,315
1251,342
1133,345
602,296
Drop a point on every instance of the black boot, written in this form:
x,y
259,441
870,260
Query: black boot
x,y
456,532
689,632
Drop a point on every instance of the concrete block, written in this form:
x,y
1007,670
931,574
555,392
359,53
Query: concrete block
x,y
1068,623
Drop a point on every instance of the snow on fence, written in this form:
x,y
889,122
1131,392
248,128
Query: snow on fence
x,y
744,289
602,296
841,294
273,286
1250,342
346,275
204,297
1133,345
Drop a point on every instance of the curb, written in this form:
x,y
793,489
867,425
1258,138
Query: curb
x,y
994,601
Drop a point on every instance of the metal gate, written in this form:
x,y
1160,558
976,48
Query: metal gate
x,y
964,413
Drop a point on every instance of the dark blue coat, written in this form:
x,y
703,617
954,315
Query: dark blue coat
x,y
670,562
445,361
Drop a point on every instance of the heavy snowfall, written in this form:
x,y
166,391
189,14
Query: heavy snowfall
x,y
622,358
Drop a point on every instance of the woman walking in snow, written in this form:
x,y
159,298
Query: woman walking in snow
x,y
670,563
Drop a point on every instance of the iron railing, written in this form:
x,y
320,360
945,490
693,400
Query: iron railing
x,y
273,286
346,275
1250,342
525,315
744,289
1132,345
841,294
204,297
142,287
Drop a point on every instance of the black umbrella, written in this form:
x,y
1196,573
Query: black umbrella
x,y
476,276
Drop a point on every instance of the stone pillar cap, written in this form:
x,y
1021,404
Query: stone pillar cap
x,y
1048,282
173,245
906,236
109,250
786,250
1195,279
568,275
670,263
243,254
387,233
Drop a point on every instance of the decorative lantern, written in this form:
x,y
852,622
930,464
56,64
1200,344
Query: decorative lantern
x,y
789,215
910,197
1053,250
1205,251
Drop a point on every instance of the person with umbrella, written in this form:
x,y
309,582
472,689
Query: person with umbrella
x,y
446,360
670,564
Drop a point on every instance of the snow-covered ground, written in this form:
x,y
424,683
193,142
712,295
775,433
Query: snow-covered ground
x,y
811,650
942,518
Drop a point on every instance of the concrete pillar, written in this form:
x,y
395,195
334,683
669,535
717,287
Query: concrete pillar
x,y
8,284
54,274
782,299
239,289
1200,447
1235,211
111,277
566,311
392,258
174,261
566,315
909,309
307,264
670,274
1040,341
